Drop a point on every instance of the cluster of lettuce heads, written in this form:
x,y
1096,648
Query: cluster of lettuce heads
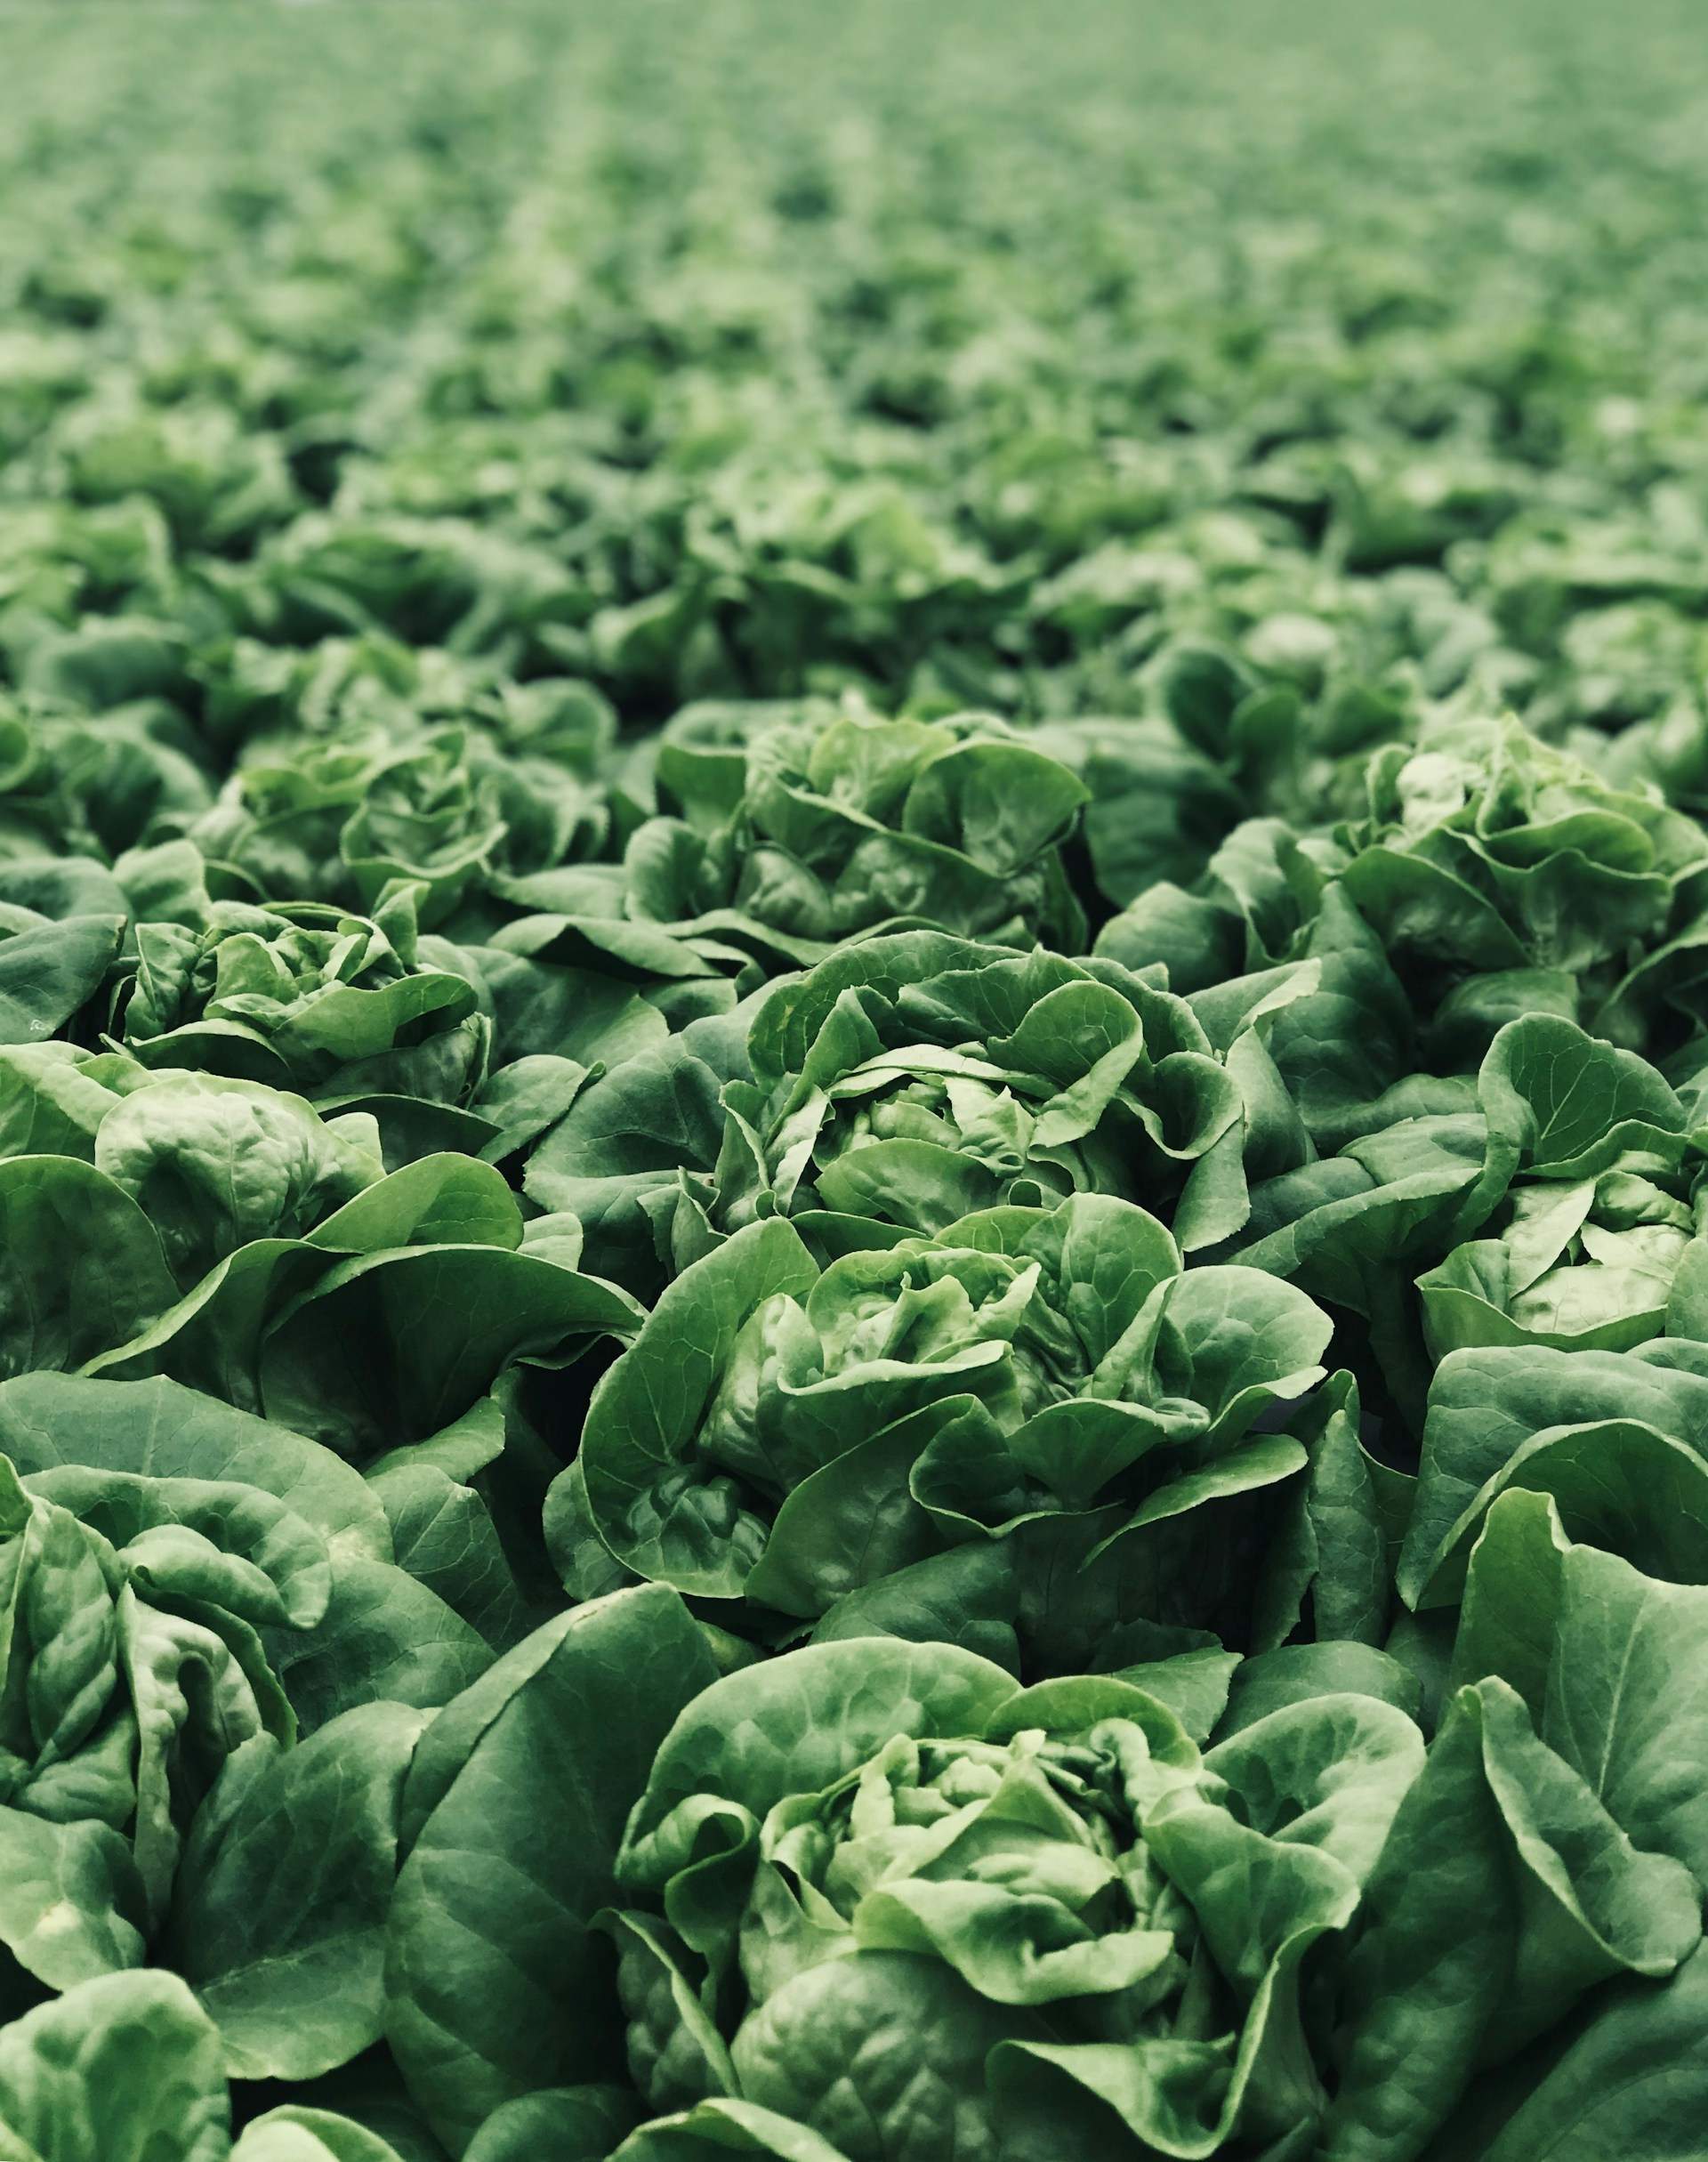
x,y
853,1098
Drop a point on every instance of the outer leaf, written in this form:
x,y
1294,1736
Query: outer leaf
x,y
642,1424
279,1918
496,1983
123,2069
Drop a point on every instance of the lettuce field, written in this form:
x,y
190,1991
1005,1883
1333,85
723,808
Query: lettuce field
x,y
854,1083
